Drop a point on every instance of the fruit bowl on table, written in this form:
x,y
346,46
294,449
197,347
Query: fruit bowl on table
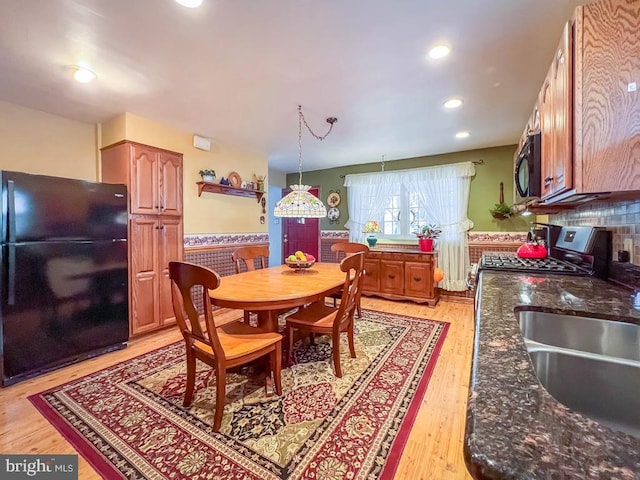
x,y
300,264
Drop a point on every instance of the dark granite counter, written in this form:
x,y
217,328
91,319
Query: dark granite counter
x,y
515,429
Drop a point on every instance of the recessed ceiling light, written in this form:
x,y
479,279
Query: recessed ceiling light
x,y
463,134
439,51
84,75
453,103
190,3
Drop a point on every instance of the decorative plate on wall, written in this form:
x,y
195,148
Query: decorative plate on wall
x,y
333,199
235,180
333,214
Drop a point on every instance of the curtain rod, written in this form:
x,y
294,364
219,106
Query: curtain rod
x,y
475,162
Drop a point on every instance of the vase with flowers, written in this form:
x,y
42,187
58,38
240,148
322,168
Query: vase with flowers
x,y
371,227
426,235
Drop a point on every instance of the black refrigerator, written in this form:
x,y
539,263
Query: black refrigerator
x,y
64,272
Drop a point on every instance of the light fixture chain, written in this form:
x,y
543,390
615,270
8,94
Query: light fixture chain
x,y
300,118
330,121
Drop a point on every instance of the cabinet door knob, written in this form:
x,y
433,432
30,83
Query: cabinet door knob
x,y
417,279
548,180
391,276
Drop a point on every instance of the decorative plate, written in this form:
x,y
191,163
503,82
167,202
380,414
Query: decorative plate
x,y
333,199
235,180
333,214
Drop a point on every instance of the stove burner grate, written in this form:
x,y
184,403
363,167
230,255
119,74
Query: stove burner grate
x,y
507,261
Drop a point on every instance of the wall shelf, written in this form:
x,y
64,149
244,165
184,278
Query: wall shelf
x,y
228,190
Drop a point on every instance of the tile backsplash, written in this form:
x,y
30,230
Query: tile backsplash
x,y
621,218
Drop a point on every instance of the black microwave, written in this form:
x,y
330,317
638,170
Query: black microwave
x,y
528,174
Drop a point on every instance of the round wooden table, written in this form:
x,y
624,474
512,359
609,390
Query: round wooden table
x,y
270,290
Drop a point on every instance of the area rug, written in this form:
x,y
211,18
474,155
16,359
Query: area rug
x,y
128,421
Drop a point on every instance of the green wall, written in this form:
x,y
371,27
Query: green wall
x,y
484,194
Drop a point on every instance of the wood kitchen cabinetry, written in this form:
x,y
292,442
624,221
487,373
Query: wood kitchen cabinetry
x,y
589,106
400,275
154,179
556,120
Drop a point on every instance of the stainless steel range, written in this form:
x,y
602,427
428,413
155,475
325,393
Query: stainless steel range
x,y
572,251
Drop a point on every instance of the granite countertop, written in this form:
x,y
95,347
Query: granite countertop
x,y
515,429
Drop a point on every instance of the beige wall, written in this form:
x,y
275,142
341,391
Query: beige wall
x,y
210,213
38,142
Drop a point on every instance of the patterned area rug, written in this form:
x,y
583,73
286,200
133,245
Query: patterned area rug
x,y
128,420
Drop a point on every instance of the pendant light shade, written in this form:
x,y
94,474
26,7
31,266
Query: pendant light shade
x,y
300,203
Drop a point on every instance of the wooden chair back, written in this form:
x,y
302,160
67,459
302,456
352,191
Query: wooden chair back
x,y
342,249
247,256
186,280
353,266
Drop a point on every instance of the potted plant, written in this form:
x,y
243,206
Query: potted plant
x,y
501,211
208,175
426,235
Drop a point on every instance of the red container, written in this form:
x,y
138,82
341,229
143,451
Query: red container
x,y
532,250
426,244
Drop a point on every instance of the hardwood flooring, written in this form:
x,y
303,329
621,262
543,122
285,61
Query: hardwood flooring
x,y
434,447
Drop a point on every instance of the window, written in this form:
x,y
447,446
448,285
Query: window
x,y
403,201
403,216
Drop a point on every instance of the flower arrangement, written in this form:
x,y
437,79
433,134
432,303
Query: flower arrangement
x,y
207,172
430,230
371,227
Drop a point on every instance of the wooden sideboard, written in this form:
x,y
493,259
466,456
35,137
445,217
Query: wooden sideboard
x,y
401,275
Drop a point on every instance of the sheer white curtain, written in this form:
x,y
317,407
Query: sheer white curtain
x,y
366,201
443,192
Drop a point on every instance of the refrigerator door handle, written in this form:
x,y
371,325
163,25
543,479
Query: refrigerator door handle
x,y
11,280
119,240
11,211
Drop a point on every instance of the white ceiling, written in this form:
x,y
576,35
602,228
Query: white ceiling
x,y
235,70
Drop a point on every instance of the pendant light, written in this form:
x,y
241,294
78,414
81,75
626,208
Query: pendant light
x,y
300,203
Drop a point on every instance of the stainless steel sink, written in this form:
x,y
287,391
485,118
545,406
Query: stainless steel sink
x,y
596,386
592,366
604,337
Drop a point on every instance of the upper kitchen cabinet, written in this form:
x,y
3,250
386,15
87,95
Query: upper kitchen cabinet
x,y
607,104
555,120
589,106
153,174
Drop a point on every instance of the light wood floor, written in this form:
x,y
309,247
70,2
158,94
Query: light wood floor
x,y
434,448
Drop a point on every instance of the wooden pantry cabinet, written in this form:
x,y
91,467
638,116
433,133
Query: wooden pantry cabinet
x,y
589,106
400,275
154,180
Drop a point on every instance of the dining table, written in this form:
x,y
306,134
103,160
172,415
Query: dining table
x,y
270,291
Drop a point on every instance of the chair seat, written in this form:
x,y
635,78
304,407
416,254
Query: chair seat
x,y
317,315
239,339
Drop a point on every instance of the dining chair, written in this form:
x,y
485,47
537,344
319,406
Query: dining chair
x,y
319,318
247,256
223,347
341,249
